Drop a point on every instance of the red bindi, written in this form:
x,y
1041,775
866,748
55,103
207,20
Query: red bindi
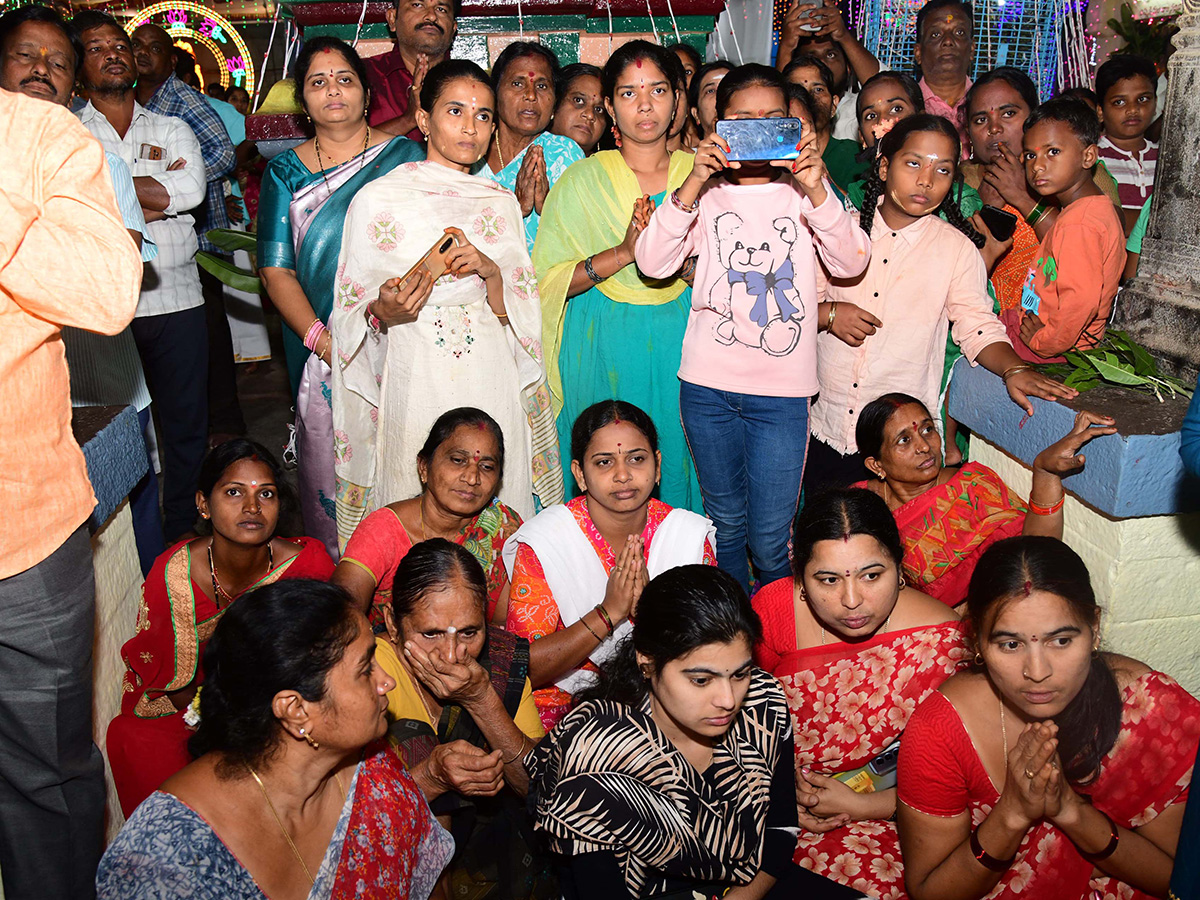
x,y
639,63
1033,638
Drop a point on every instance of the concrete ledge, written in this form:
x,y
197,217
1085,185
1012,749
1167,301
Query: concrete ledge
x,y
1127,475
115,453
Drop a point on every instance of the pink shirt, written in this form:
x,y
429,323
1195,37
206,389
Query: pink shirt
x,y
923,280
955,115
753,325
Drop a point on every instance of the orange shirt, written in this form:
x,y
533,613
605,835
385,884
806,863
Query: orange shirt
x,y
1072,281
65,259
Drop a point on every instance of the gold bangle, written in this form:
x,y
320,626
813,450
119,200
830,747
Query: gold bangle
x,y
517,755
832,313
1012,370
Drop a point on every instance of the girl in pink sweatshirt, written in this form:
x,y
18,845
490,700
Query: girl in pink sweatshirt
x,y
749,352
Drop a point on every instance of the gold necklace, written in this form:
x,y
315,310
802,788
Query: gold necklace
x,y
362,162
1004,734
499,153
218,591
278,821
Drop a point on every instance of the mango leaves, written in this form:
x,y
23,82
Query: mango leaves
x,y
1120,360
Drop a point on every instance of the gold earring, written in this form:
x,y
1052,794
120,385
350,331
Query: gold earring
x,y
903,583
979,659
882,476
308,737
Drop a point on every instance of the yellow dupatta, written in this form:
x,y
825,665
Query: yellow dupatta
x,y
586,212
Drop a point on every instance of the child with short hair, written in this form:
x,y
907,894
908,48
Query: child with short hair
x,y
1126,87
1069,289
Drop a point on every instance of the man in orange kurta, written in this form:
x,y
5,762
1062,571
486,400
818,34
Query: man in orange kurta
x,y
65,259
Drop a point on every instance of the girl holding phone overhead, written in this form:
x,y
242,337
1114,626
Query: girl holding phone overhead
x,y
422,327
749,361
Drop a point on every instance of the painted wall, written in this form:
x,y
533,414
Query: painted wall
x,y
1145,571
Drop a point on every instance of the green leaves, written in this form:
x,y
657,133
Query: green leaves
x,y
228,274
1119,360
230,239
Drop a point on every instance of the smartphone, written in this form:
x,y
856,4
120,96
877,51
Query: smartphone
x,y
877,775
760,139
1000,222
804,19
434,260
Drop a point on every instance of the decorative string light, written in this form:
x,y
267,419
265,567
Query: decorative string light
x,y
185,18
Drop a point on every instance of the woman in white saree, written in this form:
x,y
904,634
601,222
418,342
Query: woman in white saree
x,y
407,352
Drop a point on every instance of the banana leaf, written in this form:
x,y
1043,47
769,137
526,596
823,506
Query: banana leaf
x,y
230,239
228,274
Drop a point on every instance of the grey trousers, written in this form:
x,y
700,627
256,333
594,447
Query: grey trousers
x,y
51,774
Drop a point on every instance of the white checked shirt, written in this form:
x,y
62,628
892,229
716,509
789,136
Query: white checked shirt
x,y
171,282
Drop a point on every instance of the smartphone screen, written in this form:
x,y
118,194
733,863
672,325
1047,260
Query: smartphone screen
x,y
760,139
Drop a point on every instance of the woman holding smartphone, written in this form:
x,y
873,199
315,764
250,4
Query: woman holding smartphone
x,y
462,328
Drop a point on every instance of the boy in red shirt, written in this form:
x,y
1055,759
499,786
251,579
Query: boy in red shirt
x,y
1069,289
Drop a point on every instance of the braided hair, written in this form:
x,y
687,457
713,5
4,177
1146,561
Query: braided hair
x,y
890,144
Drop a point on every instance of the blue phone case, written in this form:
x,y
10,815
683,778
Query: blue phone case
x,y
760,139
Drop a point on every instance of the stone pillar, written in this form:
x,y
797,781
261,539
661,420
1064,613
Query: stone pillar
x,y
1161,307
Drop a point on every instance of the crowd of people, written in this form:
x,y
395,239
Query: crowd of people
x,y
640,556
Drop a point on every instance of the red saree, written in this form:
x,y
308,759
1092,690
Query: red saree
x,y
848,703
1148,770
946,529
147,742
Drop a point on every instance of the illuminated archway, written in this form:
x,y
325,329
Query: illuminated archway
x,y
186,19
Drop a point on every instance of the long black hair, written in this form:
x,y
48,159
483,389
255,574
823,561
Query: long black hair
x,y
284,636
679,611
430,566
606,412
890,145
839,514
1014,568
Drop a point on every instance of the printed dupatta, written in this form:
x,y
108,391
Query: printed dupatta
x,y
849,703
607,778
391,223
587,211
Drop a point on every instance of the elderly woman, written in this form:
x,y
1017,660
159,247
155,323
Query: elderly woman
x,y
525,157
948,515
1050,769
460,467
305,195
191,586
462,715
292,795
856,650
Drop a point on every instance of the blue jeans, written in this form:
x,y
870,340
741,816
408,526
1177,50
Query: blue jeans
x,y
749,453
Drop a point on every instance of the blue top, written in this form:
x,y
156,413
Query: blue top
x,y
559,152
1190,448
